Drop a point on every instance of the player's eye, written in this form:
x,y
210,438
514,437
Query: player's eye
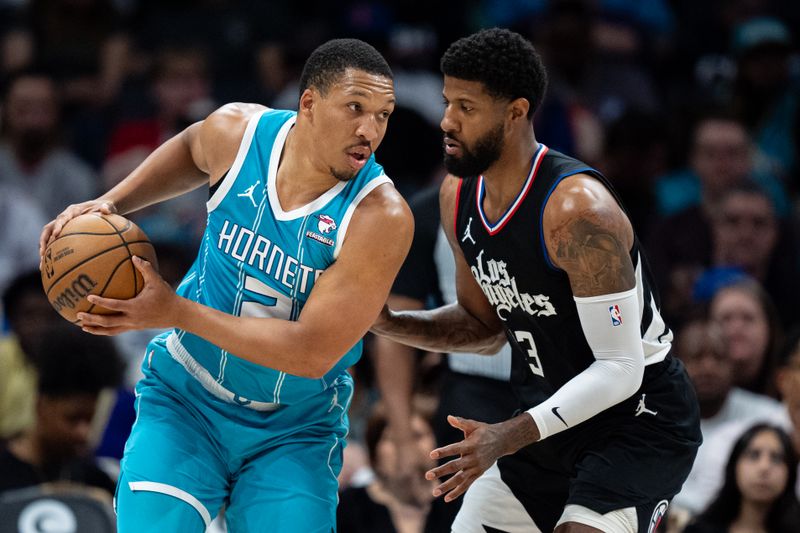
x,y
354,106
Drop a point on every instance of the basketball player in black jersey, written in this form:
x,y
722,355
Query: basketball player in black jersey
x,y
547,259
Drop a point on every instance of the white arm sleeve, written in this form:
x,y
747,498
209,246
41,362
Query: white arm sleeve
x,y
611,324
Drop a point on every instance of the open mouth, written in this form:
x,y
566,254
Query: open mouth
x,y
451,146
359,156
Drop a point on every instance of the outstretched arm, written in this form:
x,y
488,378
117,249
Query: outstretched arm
x,y
343,303
469,325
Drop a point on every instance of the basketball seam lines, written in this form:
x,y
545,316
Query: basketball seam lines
x,y
127,249
95,256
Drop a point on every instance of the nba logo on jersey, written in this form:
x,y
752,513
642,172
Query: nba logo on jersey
x,y
616,316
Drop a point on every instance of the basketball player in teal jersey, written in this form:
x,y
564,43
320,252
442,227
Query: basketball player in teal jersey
x,y
244,402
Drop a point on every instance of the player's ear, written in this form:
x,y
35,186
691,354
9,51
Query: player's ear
x,y
518,109
307,100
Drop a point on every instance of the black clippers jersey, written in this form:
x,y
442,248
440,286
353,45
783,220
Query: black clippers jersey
x,y
532,297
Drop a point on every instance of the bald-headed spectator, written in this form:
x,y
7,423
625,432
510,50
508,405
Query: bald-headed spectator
x,y
31,154
725,410
74,367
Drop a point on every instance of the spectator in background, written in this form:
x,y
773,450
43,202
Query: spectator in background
x,y
758,491
725,410
84,45
740,230
635,153
764,95
752,329
21,220
721,155
180,94
376,507
788,382
31,155
29,316
747,234
595,76
73,368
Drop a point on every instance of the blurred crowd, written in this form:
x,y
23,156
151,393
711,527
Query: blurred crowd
x,y
691,109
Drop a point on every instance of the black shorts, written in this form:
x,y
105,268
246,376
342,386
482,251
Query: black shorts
x,y
617,459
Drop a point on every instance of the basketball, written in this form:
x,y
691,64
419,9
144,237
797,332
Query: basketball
x,y
92,255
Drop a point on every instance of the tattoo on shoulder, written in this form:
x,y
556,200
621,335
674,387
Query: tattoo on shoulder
x,y
594,257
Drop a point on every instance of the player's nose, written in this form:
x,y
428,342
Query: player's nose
x,y
368,129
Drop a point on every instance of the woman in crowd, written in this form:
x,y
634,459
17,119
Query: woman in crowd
x,y
751,327
758,494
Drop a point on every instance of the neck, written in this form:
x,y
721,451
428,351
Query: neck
x,y
752,516
504,179
300,179
712,407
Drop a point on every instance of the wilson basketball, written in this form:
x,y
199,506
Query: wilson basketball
x,y
92,255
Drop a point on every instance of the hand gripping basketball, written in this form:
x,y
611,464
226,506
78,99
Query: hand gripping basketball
x,y
92,254
156,306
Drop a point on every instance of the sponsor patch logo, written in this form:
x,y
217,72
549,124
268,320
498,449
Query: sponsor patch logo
x,y
319,238
326,224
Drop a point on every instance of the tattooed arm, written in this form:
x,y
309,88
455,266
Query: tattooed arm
x,y
469,325
589,237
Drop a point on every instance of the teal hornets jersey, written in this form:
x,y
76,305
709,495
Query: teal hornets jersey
x,y
258,260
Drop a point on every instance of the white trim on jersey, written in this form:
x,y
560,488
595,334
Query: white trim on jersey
x,y
368,188
230,177
180,354
175,492
655,342
272,189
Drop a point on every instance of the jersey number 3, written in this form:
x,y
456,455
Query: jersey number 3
x,y
525,340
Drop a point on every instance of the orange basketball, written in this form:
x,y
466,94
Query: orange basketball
x,y
92,255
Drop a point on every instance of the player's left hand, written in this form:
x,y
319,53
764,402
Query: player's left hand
x,y
483,444
154,307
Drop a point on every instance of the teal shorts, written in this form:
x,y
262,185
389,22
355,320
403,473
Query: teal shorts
x,y
190,453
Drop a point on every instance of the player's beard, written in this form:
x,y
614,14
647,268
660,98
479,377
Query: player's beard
x,y
475,161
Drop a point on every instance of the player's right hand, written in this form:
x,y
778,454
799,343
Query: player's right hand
x,y
52,229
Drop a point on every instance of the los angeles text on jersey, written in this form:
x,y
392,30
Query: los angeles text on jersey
x,y
245,245
502,292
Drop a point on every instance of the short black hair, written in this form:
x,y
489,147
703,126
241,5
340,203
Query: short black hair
x,y
72,362
504,61
328,62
